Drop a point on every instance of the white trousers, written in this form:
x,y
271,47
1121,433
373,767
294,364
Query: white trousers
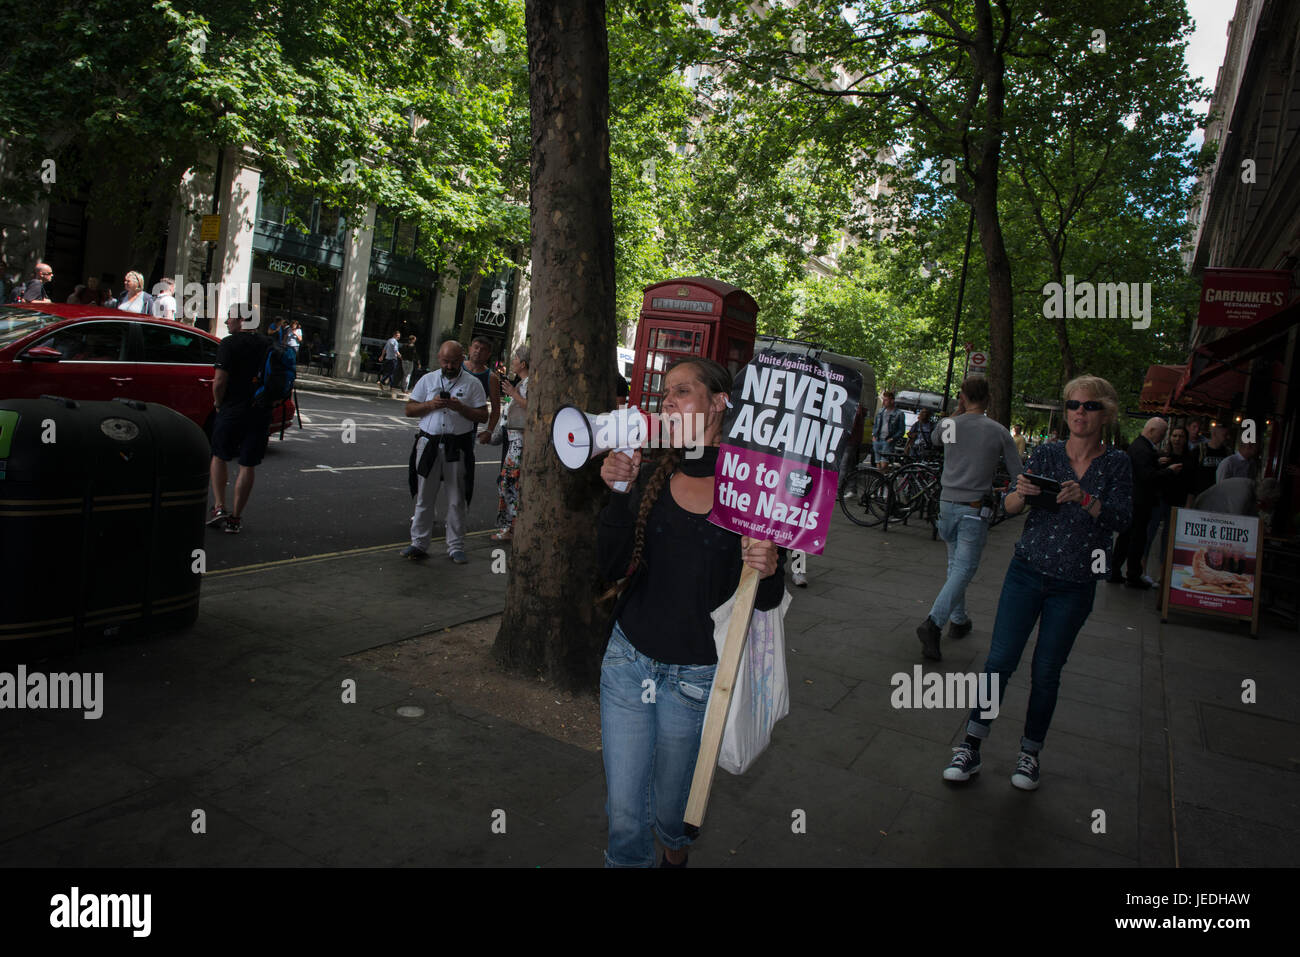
x,y
426,498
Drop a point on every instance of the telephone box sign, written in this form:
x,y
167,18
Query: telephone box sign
x,y
681,305
778,465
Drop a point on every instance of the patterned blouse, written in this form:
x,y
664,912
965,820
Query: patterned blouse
x,y
1063,543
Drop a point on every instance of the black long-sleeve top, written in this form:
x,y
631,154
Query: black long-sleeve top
x,y
689,567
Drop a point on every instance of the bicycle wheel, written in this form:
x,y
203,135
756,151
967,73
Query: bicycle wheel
x,y
864,495
910,487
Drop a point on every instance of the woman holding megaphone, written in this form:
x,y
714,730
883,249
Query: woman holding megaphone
x,y
675,568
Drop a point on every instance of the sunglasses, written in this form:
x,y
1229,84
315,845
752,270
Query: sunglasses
x,y
1092,405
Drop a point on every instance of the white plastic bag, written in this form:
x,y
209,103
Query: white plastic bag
x,y
761,696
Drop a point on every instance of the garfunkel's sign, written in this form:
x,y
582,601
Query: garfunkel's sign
x,y
1242,297
778,465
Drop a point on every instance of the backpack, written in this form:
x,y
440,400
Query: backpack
x,y
275,381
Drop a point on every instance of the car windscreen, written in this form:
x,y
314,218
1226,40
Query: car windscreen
x,y
16,322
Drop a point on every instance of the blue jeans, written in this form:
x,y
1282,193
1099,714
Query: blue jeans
x,y
651,718
965,533
1064,606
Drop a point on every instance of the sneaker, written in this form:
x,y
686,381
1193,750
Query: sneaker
x,y
965,762
413,553
233,525
959,631
799,579
1143,584
459,557
1115,579
1026,775
217,517
928,633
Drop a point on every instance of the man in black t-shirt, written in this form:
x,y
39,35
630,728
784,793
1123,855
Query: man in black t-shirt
x,y
1212,454
241,428
37,290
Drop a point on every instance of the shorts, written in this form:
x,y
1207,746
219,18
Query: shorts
x,y
243,432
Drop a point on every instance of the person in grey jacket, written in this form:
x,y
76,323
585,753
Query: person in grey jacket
x,y
972,444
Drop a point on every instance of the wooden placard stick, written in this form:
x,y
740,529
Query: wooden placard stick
x,y
724,681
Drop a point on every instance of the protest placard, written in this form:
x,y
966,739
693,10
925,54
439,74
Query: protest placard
x,y
776,479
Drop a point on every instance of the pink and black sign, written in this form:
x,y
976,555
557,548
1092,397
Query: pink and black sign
x,y
778,465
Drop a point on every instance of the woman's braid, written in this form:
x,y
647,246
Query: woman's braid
x,y
653,489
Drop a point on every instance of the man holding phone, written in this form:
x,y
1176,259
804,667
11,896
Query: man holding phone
x,y
972,444
449,404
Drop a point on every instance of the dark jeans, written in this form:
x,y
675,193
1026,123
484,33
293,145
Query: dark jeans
x,y
1132,542
1063,606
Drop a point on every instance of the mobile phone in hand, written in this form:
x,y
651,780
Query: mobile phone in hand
x,y
1049,488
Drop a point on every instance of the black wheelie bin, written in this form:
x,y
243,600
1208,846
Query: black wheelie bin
x,y
102,506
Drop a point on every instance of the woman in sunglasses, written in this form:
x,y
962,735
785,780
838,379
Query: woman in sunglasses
x,y
1065,548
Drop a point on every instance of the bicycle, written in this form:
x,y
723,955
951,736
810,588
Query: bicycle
x,y
914,489
864,495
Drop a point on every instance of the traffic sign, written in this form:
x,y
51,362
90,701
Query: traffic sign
x,y
979,362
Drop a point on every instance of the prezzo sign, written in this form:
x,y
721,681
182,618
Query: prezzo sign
x,y
396,290
486,317
285,267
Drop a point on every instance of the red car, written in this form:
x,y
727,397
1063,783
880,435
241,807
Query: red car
x,y
89,352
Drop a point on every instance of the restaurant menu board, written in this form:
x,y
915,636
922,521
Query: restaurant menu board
x,y
1212,563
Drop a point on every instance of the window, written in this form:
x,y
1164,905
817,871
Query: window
x,y
176,346
90,342
405,245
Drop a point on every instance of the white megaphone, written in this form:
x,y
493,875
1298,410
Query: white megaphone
x,y
579,436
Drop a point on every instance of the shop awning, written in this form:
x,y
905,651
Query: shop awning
x,y
1165,389
1232,352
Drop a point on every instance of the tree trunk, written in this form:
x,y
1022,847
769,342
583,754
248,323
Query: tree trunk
x,y
469,309
1069,369
991,65
551,624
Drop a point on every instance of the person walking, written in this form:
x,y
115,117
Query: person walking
x,y
674,569
970,461
1051,580
241,428
512,450
389,363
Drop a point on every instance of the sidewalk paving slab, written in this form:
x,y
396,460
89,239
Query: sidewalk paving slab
x,y
242,716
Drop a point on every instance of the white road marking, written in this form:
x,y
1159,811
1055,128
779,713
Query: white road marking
x,y
367,468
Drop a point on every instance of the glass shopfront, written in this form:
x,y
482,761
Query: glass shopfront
x,y
294,289
395,305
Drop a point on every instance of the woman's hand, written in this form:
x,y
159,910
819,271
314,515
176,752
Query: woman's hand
x,y
759,554
1070,492
1025,488
619,467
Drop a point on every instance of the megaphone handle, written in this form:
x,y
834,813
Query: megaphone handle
x,y
622,486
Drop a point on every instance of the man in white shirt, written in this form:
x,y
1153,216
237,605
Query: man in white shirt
x,y
164,302
389,362
449,402
1243,463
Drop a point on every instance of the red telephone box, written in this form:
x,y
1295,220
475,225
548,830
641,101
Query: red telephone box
x,y
694,316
